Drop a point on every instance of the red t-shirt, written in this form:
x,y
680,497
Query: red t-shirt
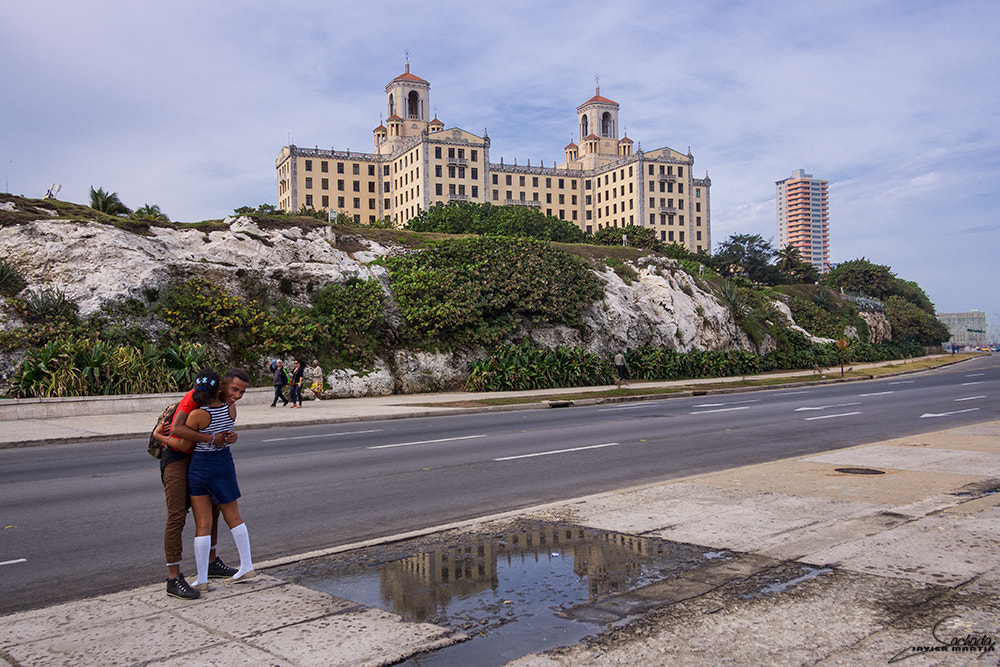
x,y
187,405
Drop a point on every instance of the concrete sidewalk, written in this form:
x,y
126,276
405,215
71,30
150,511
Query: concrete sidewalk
x,y
818,567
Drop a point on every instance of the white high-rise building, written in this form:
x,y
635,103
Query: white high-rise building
x,y
803,219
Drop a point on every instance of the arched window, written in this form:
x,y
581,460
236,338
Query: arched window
x,y
392,106
583,127
606,129
413,105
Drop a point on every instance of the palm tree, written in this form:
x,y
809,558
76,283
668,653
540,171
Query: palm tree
x,y
788,257
107,202
150,212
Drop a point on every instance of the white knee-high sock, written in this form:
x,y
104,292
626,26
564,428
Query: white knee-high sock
x,y
242,539
202,547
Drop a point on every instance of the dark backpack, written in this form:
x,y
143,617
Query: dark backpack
x,y
155,449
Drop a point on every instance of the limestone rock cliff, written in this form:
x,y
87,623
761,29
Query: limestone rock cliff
x,y
93,263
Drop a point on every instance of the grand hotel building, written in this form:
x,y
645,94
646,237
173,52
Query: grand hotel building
x,y
417,162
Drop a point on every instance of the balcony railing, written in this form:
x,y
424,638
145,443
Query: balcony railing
x,y
523,202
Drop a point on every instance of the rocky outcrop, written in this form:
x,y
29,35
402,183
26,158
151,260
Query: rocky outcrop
x,y
92,263
783,308
879,329
663,307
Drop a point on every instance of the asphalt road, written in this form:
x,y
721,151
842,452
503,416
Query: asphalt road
x,y
80,520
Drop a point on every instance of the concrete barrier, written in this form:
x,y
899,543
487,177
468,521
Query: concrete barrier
x,y
74,406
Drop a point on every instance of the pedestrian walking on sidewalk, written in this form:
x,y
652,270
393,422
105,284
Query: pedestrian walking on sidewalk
x,y
622,367
280,380
173,474
317,380
212,476
295,389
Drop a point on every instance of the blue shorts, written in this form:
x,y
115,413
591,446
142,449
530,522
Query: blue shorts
x,y
213,474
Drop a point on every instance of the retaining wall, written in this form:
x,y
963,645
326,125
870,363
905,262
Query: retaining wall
x,y
74,406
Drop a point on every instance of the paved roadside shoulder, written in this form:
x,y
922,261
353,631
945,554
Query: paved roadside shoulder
x,y
830,565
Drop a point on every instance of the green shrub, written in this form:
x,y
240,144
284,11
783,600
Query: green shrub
x,y
519,367
81,367
477,291
623,270
912,323
198,310
184,361
515,221
49,304
352,314
11,281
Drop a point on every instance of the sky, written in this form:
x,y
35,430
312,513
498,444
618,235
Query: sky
x,y
186,104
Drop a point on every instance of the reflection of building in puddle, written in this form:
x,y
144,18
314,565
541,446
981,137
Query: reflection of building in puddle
x,y
423,585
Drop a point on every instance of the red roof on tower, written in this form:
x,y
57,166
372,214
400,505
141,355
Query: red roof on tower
x,y
598,98
406,76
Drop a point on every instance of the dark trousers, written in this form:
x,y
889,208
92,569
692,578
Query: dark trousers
x,y
279,392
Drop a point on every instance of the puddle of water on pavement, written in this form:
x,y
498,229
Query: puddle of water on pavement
x,y
512,592
780,586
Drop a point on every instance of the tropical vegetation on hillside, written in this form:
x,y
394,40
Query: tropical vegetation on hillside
x,y
484,276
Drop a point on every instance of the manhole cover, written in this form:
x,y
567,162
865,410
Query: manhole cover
x,y
859,471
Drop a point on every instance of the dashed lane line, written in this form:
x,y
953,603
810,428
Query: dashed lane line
x,y
428,442
843,414
556,451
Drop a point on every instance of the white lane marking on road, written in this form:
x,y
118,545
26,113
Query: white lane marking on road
x,y
878,393
556,451
974,375
903,382
323,435
716,405
843,414
827,407
793,393
14,562
705,412
428,442
947,414
966,384
622,407
969,398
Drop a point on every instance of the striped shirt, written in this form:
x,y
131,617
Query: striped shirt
x,y
220,423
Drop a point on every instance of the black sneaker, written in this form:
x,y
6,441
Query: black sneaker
x,y
219,570
178,588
